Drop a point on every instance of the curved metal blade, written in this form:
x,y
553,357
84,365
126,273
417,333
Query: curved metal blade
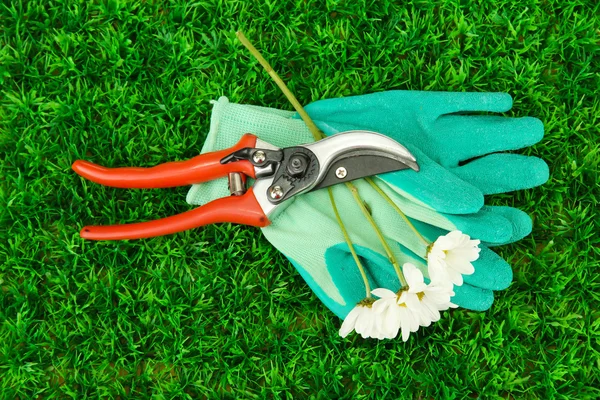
x,y
356,154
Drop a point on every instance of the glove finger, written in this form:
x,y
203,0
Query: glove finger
x,y
424,187
491,271
520,221
502,173
486,225
462,137
398,105
461,102
490,224
472,298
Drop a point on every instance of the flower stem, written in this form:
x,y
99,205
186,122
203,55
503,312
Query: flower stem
x,y
349,242
386,247
316,132
398,210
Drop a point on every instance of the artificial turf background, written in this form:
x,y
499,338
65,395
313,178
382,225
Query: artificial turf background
x,y
217,312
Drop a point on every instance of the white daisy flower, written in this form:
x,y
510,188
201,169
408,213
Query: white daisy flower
x,y
393,317
426,301
404,311
450,257
361,319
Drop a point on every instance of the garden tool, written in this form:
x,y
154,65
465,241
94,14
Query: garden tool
x,y
280,173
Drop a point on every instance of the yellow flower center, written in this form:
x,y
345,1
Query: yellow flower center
x,y
367,302
428,249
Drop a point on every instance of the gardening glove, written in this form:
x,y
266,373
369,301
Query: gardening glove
x,y
229,121
435,124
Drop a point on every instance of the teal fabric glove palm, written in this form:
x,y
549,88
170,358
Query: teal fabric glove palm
x,y
288,233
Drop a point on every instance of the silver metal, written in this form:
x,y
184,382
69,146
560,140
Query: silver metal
x,y
264,171
259,157
341,172
276,192
261,144
327,150
236,184
260,189
343,144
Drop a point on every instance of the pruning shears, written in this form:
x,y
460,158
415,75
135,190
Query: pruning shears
x,y
279,173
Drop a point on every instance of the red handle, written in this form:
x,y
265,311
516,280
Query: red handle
x,y
236,209
202,168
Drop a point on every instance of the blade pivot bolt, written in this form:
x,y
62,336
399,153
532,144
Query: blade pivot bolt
x,y
297,165
341,172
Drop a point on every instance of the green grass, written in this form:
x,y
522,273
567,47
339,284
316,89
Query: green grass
x,y
217,312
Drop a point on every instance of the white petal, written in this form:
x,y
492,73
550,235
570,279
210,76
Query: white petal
x,y
456,235
379,326
462,267
362,323
383,293
417,286
461,259
412,302
438,271
412,274
445,243
379,335
350,321
424,320
430,309
455,277
376,331
367,328
437,298
381,305
440,293
391,325
436,252
405,324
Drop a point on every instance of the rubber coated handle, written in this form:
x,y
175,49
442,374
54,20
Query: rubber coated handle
x,y
235,209
202,168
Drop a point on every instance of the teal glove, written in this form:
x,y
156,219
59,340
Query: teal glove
x,y
230,121
428,121
435,124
